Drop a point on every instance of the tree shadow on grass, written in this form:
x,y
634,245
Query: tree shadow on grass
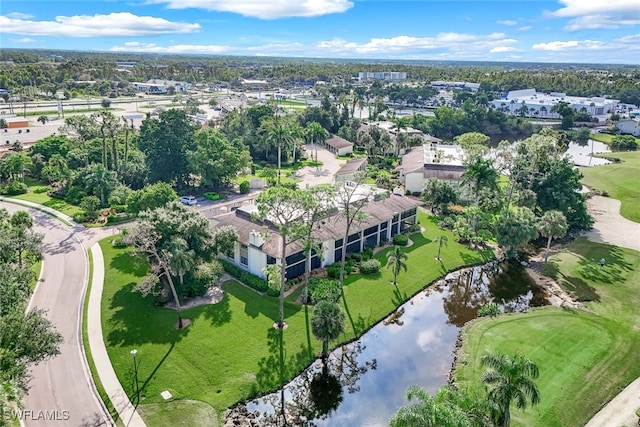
x,y
399,297
256,304
127,262
615,270
218,314
358,324
135,321
579,288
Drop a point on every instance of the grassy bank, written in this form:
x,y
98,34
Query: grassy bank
x,y
619,180
230,352
585,356
38,193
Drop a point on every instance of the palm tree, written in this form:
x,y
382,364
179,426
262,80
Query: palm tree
x,y
327,323
100,181
316,134
396,261
512,379
552,225
182,258
480,174
442,241
297,134
279,136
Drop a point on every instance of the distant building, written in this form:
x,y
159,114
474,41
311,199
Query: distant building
x,y
631,127
419,164
156,86
351,168
540,104
382,75
385,217
446,85
339,146
254,84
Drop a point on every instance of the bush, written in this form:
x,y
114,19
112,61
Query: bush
x,y
15,188
41,190
624,142
75,195
212,196
245,277
367,254
321,289
357,257
118,242
400,240
491,309
370,266
80,217
244,187
414,228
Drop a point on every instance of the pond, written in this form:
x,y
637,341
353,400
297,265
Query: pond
x,y
365,382
582,154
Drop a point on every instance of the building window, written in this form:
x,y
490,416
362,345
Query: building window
x,y
354,237
270,260
244,255
339,243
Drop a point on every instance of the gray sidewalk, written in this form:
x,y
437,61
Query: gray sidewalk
x,y
110,383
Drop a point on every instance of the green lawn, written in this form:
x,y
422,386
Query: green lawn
x,y
585,357
37,193
605,137
619,181
231,352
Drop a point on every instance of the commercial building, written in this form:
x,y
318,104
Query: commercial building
x,y
155,86
631,127
446,85
382,75
530,103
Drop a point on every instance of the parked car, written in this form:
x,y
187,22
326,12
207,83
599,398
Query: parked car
x,y
188,200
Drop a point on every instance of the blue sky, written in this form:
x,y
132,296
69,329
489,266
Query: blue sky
x,y
587,31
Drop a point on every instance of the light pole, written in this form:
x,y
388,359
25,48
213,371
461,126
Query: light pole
x,y
135,374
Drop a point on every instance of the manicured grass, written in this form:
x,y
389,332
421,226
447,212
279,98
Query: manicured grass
x,y
231,351
585,357
36,268
173,414
619,180
606,137
38,194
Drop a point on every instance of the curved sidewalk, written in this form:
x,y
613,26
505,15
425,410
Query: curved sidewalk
x,y
612,228
110,383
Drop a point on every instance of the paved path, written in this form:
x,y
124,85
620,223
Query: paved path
x,y
610,227
64,383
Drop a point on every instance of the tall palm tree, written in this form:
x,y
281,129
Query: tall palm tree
x,y
327,323
279,136
297,134
100,181
316,134
396,261
480,174
512,379
182,258
442,241
552,225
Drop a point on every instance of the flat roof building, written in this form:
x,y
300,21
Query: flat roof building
x,y
540,104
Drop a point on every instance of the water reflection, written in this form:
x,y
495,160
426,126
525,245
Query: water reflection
x,y
582,154
414,348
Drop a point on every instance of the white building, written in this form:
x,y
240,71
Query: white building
x,y
258,247
382,75
339,146
631,127
446,85
420,164
540,104
156,86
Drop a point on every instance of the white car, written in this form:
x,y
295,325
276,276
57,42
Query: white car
x,y
188,200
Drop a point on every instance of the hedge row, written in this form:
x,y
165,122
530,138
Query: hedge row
x,y
247,278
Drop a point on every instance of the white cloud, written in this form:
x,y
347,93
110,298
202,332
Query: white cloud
x,y
23,40
115,24
503,49
570,45
610,14
508,22
19,15
525,28
181,48
265,9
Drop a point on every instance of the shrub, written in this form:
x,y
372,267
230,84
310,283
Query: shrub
x,y
491,309
357,257
370,266
211,196
333,270
15,188
75,195
80,217
244,187
400,240
119,242
367,254
255,282
321,289
41,190
624,142
414,228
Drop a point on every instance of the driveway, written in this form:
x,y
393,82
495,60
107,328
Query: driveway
x,y
324,174
62,383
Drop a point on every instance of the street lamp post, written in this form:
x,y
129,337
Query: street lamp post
x,y
135,374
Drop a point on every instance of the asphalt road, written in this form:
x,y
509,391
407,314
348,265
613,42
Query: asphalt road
x,y
61,393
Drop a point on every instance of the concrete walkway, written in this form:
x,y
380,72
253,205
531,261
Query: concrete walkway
x,y
112,386
610,227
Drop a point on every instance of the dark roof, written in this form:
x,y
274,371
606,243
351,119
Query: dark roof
x,y
333,228
352,165
432,138
336,142
412,160
445,172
